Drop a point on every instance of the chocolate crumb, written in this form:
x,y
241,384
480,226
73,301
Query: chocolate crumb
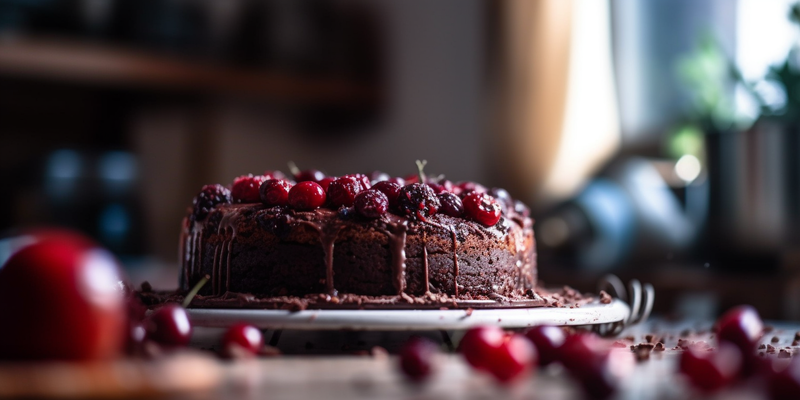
x,y
629,338
619,345
775,339
762,346
684,344
659,347
605,298
468,312
642,354
649,338
645,346
769,328
770,349
784,354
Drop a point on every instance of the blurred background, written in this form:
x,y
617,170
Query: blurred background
x,y
657,140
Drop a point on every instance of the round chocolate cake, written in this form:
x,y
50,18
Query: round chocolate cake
x,y
344,238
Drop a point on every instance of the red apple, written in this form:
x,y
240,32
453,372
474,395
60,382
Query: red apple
x,y
61,299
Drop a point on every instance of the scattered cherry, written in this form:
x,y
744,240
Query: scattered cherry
x,y
482,208
242,339
783,379
169,325
209,197
306,196
451,204
741,326
311,175
371,203
548,340
417,358
390,189
362,179
479,343
418,201
245,188
275,192
579,348
343,191
710,371
603,375
512,359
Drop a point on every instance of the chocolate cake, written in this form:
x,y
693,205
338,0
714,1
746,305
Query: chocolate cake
x,y
270,238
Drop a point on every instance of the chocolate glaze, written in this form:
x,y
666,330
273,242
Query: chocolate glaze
x,y
271,229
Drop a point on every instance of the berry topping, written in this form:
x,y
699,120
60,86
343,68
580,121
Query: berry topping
x,y
169,325
548,340
437,188
306,196
398,180
311,175
275,192
209,197
326,182
417,358
451,204
343,191
482,208
270,174
242,340
479,343
362,179
390,189
468,187
245,188
371,203
418,201
409,179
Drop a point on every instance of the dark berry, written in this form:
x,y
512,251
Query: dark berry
x,y
390,189
242,339
362,179
469,187
451,204
275,192
417,358
209,197
306,196
482,208
371,203
312,175
710,371
418,201
343,191
378,176
169,325
548,341
326,182
479,343
512,359
245,188
741,326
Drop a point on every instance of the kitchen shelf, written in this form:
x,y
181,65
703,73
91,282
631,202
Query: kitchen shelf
x,y
102,64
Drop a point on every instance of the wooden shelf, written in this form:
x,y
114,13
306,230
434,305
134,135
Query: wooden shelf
x,y
97,64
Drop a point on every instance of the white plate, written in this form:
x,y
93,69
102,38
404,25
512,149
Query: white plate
x,y
408,320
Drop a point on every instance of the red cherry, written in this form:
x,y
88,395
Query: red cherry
x,y
409,179
398,180
451,204
378,176
343,191
362,180
242,337
578,348
710,371
274,174
169,325
548,341
417,358
783,379
306,196
479,344
371,203
482,208
512,359
245,188
603,375
275,192
469,187
311,175
61,299
326,182
741,326
437,188
390,189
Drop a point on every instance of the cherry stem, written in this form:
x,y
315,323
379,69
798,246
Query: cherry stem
x,y
420,167
293,168
193,292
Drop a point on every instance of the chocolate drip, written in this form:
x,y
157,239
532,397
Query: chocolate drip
x,y
228,277
214,269
327,237
455,261
425,260
397,232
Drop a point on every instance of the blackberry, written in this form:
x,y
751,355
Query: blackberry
x,y
418,201
209,197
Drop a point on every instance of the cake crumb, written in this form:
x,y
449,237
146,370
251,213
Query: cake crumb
x,y
649,338
605,298
784,354
762,346
770,349
468,312
775,339
659,347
